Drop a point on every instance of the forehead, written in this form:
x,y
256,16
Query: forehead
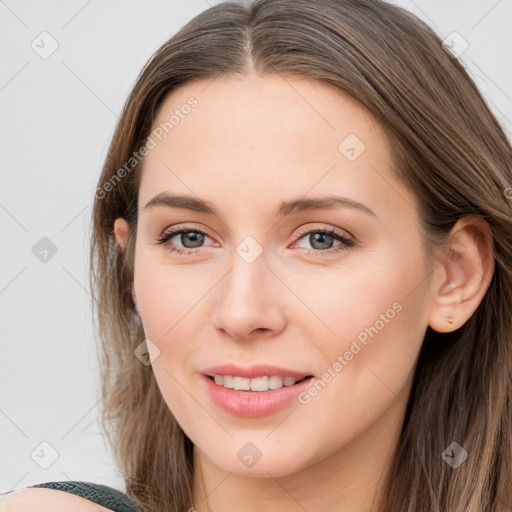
x,y
262,109
270,136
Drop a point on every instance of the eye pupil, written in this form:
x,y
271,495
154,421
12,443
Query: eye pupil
x,y
321,237
195,237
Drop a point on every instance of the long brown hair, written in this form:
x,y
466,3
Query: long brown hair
x,y
448,149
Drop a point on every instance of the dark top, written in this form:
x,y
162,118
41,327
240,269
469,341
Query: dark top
x,y
103,495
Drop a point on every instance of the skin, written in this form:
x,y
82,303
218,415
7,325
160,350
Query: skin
x,y
249,144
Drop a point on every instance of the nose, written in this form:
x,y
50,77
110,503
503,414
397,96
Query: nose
x,y
248,301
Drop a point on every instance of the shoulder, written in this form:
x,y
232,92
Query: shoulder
x,y
67,495
32,499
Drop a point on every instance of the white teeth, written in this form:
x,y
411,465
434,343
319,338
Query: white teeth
x,y
255,384
275,382
241,383
228,381
289,381
259,384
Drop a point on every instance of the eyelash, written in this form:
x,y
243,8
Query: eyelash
x,y
346,243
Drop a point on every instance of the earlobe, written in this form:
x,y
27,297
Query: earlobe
x,y
468,266
121,232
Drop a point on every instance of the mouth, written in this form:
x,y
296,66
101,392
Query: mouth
x,y
256,384
258,396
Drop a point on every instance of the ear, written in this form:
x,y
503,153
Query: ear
x,y
121,229
121,232
466,270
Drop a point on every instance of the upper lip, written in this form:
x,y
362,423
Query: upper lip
x,y
257,370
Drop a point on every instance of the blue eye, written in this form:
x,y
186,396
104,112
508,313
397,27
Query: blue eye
x,y
194,238
320,238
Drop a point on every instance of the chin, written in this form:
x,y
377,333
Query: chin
x,y
262,462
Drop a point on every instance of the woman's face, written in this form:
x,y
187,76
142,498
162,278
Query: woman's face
x,y
254,285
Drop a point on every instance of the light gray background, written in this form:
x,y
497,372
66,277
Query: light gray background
x,y
57,117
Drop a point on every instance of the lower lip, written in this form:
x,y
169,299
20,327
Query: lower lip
x,y
251,404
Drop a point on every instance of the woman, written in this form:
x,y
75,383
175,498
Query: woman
x,y
301,260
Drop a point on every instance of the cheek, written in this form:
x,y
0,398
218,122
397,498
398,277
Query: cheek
x,y
374,320
368,364
167,295
165,298
345,303
172,302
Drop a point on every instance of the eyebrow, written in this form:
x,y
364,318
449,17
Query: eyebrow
x,y
286,207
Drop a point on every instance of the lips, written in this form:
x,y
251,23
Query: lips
x,y
252,404
256,390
